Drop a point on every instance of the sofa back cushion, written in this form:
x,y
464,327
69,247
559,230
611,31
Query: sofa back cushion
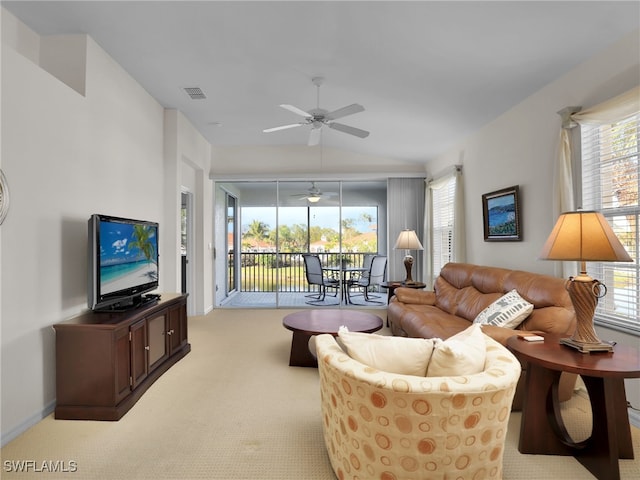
x,y
465,290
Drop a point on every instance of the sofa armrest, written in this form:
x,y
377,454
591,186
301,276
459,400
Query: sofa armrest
x,y
411,295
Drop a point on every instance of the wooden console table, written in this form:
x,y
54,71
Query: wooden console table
x,y
106,361
603,374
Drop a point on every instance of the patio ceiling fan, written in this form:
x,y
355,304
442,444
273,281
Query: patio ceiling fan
x,y
314,194
319,117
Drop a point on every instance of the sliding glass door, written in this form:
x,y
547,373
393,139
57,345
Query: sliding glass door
x,y
280,221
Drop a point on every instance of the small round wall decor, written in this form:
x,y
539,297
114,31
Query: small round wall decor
x,y
4,197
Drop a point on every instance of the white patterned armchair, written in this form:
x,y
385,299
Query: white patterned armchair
x,y
385,426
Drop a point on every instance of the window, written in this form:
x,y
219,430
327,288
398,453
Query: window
x,y
278,223
442,217
610,182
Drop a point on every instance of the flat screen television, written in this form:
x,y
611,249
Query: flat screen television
x,y
123,262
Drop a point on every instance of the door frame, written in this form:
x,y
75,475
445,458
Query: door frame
x,y
186,203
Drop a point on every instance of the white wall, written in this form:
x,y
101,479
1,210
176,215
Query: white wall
x,y
187,165
519,148
257,162
68,155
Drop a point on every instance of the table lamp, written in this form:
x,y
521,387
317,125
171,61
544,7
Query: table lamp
x,y
408,240
584,236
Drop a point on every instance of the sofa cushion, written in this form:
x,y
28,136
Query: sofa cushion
x,y
508,311
405,356
461,354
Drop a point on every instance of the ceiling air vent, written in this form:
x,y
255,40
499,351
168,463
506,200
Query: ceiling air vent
x,y
195,93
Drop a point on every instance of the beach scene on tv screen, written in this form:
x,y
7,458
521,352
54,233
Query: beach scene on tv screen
x,y
128,256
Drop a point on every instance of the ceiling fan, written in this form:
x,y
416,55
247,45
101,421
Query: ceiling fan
x,y
319,117
314,194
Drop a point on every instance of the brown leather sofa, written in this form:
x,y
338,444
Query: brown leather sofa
x,y
462,291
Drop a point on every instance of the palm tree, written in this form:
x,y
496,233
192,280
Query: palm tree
x,y
142,235
257,229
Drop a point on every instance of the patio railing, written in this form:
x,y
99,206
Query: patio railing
x,y
284,272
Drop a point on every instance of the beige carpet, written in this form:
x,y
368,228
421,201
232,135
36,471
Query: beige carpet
x,y
234,410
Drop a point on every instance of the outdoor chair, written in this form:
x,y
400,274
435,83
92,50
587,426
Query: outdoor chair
x,y
367,260
374,277
315,276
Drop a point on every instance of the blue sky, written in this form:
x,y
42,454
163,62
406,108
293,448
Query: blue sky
x,y
114,242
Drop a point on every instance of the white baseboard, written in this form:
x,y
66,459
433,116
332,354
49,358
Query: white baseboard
x,y
28,423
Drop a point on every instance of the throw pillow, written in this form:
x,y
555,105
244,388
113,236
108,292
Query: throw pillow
x,y
508,311
462,354
405,356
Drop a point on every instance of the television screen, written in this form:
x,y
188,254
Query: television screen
x,y
123,260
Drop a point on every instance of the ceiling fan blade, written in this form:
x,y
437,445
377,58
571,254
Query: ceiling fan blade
x,y
283,127
314,136
296,110
344,111
350,130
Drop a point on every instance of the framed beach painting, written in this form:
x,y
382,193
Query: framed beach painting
x,y
501,215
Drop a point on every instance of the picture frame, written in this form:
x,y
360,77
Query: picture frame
x,y
501,215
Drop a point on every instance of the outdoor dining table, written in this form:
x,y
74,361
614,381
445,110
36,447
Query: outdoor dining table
x,y
347,274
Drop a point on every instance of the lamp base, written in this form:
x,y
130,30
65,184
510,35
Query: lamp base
x,y
408,265
584,293
587,347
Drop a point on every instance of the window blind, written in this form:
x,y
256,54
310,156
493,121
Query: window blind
x,y
442,205
610,181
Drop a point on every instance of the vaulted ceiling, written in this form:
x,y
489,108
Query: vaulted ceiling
x,y
427,73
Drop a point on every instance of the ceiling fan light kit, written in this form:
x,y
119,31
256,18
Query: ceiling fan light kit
x,y
314,194
319,117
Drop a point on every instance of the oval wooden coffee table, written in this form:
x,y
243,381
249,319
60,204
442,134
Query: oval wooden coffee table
x,y
306,323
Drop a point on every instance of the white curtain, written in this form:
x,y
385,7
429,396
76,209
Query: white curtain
x,y
427,266
611,111
563,192
606,112
459,250
405,201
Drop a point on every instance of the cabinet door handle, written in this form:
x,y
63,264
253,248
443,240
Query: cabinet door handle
x,y
147,348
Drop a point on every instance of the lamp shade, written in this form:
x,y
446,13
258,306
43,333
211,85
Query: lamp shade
x,y
583,236
408,240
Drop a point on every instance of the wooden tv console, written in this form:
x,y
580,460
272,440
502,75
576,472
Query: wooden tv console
x,y
105,361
